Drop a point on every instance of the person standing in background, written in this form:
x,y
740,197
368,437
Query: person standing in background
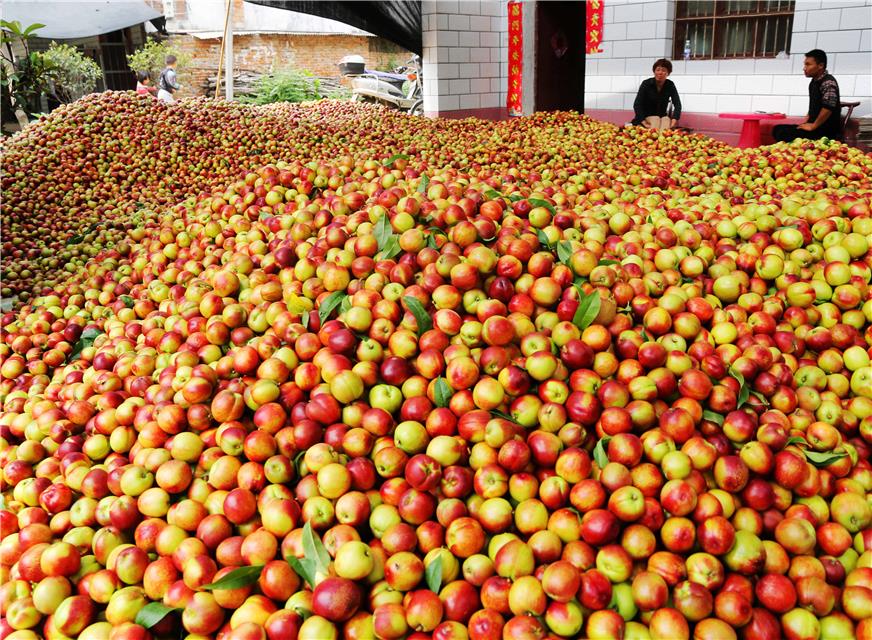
x,y
168,83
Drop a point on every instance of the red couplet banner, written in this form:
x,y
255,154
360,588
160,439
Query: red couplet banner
x,y
513,95
594,25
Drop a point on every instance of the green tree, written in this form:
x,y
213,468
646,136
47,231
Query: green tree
x,y
73,74
151,58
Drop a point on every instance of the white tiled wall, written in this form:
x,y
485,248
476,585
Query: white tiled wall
x,y
637,32
465,54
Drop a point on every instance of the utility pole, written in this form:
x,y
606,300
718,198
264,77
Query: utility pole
x,y
228,53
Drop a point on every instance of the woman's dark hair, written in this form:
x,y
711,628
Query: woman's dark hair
x,y
142,76
662,62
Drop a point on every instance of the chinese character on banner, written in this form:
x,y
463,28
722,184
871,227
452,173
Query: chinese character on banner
x,y
594,25
513,96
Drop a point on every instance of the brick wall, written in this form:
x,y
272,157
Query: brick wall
x,y
465,57
638,32
260,53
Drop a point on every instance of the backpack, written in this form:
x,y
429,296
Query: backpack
x,y
162,81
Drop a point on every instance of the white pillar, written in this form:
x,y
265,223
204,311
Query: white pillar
x,y
228,54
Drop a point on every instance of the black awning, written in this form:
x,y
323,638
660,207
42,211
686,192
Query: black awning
x,y
398,21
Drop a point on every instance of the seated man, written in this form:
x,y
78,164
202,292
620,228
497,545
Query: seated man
x,y
824,113
652,100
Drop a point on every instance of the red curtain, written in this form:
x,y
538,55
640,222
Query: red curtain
x,y
594,25
513,95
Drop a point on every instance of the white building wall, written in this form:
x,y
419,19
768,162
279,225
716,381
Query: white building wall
x,y
637,32
465,55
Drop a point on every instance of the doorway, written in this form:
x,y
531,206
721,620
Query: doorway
x,y
560,56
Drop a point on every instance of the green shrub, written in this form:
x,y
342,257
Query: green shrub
x,y
72,73
286,85
151,58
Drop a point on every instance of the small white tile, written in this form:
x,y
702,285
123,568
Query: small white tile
x,y
480,55
639,66
456,87
447,71
839,41
655,48
798,106
449,103
498,54
866,40
468,70
470,101
625,84
774,65
696,67
755,85
458,22
627,49
629,99
615,31
863,87
688,85
441,21
634,30
486,70
489,38
598,84
733,103
846,85
825,20
447,38
736,67
611,101
491,7
479,85
446,6
800,19
664,29
789,85
469,39
847,63
611,66
469,7
479,23
428,39
802,42
489,100
458,54
628,13
770,103
443,54
495,84
719,84
655,11
700,103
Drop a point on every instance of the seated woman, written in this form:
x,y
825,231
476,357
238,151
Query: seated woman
x,y
652,101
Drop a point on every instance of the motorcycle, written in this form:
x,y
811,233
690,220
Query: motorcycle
x,y
402,89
